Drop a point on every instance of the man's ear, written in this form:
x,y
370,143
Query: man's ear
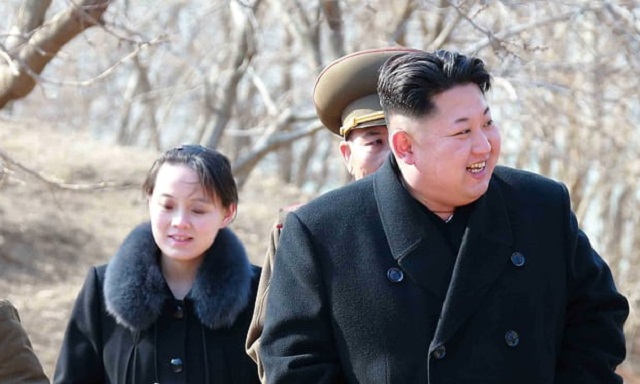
x,y
345,150
401,146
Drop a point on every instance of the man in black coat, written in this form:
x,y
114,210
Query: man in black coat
x,y
348,105
441,267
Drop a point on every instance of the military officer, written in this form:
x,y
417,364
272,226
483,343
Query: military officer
x,y
347,104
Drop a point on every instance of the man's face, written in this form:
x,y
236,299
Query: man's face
x,y
447,158
364,150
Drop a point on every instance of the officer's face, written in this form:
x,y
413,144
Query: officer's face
x,y
365,150
447,158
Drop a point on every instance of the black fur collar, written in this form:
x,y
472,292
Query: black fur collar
x,y
135,290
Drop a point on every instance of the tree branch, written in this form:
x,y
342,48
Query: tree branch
x,y
8,164
44,43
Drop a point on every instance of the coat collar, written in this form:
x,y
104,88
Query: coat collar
x,y
417,245
402,216
135,290
484,254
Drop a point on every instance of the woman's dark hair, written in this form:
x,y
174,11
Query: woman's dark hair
x,y
212,167
408,82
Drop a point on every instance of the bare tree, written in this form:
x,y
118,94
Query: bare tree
x,y
33,43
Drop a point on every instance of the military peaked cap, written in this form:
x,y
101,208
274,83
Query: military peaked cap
x,y
345,94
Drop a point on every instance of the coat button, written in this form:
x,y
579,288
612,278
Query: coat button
x,y
176,365
395,275
439,352
512,338
517,259
178,312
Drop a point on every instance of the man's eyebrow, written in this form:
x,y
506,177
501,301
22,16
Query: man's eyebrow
x,y
465,119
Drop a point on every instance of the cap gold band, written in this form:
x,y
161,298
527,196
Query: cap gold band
x,y
354,121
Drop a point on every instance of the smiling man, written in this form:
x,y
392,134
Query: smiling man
x,y
441,267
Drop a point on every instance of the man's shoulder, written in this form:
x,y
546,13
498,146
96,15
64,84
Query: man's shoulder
x,y
284,211
340,197
333,206
523,178
521,185
8,310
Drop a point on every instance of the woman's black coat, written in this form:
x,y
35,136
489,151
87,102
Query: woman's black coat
x,y
126,327
360,278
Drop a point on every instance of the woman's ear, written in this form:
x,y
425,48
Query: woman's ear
x,y
230,214
401,146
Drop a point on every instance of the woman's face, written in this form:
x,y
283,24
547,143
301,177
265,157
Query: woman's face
x,y
184,219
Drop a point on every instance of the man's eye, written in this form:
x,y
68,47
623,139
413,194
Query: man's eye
x,y
488,123
166,207
375,142
463,132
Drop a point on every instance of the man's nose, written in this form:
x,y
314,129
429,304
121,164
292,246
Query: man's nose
x,y
481,143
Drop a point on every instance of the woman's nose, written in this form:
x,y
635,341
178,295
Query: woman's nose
x,y
180,219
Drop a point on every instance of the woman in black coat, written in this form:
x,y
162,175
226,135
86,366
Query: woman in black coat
x,y
175,302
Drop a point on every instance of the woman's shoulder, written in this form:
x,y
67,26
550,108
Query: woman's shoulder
x,y
95,274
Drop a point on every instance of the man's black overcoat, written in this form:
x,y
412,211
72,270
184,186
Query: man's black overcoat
x,y
358,285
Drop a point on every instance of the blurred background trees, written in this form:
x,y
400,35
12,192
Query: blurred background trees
x,y
237,75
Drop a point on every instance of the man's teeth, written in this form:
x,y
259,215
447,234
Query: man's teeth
x,y
477,167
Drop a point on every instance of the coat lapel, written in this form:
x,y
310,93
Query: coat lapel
x,y
417,245
415,242
484,254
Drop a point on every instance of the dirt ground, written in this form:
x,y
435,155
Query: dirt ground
x,y
49,237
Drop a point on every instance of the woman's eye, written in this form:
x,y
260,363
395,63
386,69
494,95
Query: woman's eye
x,y
200,210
